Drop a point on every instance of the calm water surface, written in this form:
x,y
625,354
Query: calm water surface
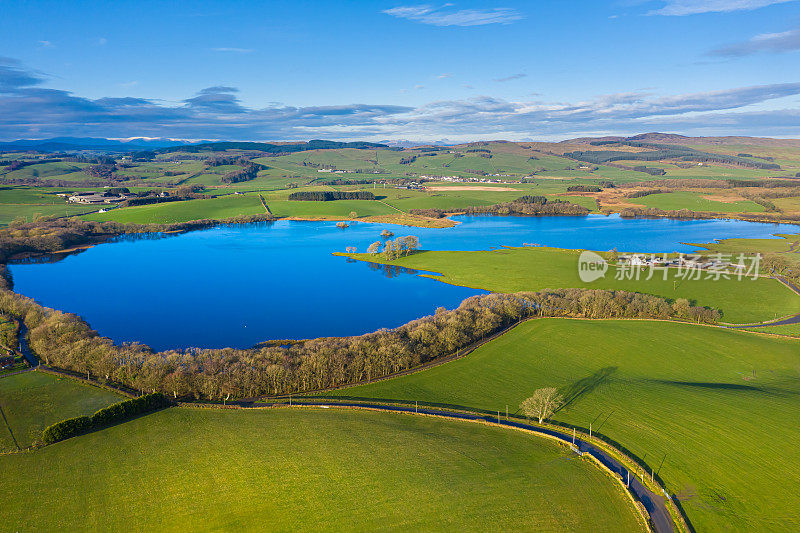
x,y
237,286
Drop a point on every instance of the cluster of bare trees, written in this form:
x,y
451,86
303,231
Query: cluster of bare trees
x,y
517,207
687,214
64,340
393,249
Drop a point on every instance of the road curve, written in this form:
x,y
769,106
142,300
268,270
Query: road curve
x,y
786,321
660,519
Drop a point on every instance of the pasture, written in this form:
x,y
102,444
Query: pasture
x,y
536,268
31,401
303,469
675,201
717,406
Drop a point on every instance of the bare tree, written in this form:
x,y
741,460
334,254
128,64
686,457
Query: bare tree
x,y
542,404
350,249
411,243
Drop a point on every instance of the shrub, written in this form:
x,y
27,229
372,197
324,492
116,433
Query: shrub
x,y
71,427
119,412
113,414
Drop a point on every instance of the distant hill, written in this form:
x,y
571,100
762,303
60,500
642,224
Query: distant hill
x,y
75,144
672,138
272,147
78,144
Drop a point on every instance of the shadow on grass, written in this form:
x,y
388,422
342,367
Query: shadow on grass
x,y
711,386
583,386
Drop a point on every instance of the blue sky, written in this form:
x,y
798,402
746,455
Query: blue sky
x,y
464,70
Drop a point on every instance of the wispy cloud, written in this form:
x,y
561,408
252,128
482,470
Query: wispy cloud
x,y
29,110
447,15
102,41
444,75
45,44
233,50
787,41
511,78
694,7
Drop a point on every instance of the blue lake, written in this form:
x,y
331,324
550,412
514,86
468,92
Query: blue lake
x,y
237,286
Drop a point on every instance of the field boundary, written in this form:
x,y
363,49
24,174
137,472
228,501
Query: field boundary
x,y
667,516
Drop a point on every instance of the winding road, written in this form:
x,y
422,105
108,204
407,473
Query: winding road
x,y
786,321
655,504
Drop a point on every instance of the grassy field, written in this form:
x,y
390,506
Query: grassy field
x,y
23,202
33,400
695,202
320,470
721,404
531,269
222,207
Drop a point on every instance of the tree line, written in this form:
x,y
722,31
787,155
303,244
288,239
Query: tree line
x,y
65,341
327,196
584,188
517,207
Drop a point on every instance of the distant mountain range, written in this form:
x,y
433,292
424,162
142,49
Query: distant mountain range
x,y
73,144
672,138
99,144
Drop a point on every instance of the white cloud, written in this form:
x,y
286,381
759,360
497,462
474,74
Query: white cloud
x,y
45,44
786,41
694,7
511,78
444,75
27,109
447,16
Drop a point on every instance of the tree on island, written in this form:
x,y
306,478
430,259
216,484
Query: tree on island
x,y
374,248
410,243
542,404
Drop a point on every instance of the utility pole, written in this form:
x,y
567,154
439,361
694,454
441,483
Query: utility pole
x,y
590,430
506,411
573,436
629,478
498,417
416,407
642,472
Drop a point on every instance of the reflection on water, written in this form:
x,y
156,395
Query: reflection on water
x,y
240,285
390,271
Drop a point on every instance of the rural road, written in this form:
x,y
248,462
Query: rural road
x,y
655,504
32,360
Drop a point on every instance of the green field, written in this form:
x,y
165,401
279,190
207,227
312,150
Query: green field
x,y
531,269
695,202
168,212
721,404
321,470
23,202
33,400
